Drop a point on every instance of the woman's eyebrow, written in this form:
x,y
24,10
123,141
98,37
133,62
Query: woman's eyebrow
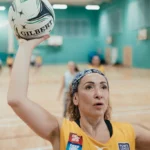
x,y
103,82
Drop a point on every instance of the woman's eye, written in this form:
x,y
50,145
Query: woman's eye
x,y
88,87
104,87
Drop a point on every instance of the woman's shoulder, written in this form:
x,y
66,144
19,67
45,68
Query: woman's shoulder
x,y
68,125
123,126
101,66
123,129
65,122
89,66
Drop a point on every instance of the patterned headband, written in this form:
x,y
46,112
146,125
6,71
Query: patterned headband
x,y
80,75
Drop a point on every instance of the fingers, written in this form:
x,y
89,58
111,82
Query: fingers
x,y
33,43
21,41
45,37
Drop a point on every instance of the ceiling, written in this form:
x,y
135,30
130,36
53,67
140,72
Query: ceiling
x,y
71,2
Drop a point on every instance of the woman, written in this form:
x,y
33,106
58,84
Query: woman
x,y
9,63
89,127
96,64
1,66
66,81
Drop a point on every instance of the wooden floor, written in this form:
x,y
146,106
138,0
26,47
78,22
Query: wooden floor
x,y
129,95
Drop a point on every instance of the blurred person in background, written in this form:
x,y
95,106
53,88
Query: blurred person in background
x,y
96,64
38,63
65,83
1,65
97,52
9,63
33,60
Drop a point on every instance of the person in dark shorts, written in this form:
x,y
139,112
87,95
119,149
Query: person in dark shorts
x,y
9,63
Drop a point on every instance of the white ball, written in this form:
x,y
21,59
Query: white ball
x,y
31,19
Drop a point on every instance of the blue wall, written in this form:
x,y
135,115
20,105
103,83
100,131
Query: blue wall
x,y
75,47
122,20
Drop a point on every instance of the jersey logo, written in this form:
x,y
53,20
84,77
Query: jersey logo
x,y
75,142
124,146
74,138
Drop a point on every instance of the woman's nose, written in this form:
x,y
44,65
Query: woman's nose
x,y
98,93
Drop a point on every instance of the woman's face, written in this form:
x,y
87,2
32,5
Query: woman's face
x,y
95,61
71,66
92,96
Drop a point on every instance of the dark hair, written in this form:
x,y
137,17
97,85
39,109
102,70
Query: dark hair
x,y
76,68
72,110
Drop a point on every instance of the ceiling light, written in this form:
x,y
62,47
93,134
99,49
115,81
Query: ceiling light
x,y
2,8
60,6
92,7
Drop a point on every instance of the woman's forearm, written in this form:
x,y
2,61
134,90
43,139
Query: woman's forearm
x,y
19,76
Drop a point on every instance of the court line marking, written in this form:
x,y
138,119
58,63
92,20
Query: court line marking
x,y
12,137
18,119
12,125
40,148
10,119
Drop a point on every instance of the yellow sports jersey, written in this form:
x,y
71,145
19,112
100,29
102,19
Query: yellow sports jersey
x,y
100,68
38,60
72,137
9,61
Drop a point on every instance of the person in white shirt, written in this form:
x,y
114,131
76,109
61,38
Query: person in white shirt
x,y
66,81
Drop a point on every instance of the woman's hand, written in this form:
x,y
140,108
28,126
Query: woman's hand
x,y
31,44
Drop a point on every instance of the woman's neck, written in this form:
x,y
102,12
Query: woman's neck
x,y
72,72
95,128
92,126
97,66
